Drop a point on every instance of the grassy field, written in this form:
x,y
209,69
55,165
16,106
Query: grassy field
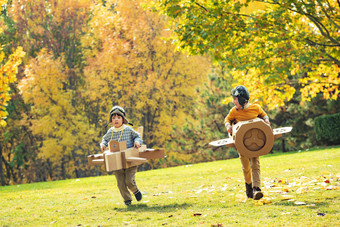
x,y
301,189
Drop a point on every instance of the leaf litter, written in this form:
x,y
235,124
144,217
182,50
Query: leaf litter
x,y
285,189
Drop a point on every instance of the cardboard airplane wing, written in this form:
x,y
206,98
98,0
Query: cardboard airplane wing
x,y
252,138
229,142
279,131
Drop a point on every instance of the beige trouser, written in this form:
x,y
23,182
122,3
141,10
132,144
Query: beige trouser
x,y
126,180
251,170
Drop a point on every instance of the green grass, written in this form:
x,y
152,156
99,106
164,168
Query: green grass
x,y
204,194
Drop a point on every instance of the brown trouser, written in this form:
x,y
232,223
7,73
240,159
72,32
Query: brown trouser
x,y
126,180
253,165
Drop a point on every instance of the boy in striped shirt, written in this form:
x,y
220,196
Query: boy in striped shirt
x,y
121,132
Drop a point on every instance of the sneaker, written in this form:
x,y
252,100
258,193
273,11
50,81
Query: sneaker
x,y
127,202
249,190
257,193
138,195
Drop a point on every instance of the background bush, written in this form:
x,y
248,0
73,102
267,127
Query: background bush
x,y
327,128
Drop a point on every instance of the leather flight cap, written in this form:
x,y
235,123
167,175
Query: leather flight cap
x,y
119,111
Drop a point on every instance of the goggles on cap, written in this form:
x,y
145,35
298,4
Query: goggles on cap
x,y
235,93
117,109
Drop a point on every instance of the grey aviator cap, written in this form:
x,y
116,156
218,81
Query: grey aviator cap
x,y
119,111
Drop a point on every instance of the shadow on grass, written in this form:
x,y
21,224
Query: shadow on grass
x,y
153,208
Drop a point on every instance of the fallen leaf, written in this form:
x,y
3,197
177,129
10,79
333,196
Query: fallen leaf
x,y
243,200
330,187
286,197
286,213
311,205
299,203
217,225
258,203
285,189
266,201
302,190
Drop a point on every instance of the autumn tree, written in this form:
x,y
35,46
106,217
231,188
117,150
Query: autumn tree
x,y
64,132
190,140
269,46
50,33
10,59
135,66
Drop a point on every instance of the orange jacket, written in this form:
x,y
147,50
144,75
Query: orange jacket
x,y
251,111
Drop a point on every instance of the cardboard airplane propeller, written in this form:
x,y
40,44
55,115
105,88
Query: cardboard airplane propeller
x,y
252,138
119,157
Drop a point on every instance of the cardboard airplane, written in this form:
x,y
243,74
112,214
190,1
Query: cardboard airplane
x,y
119,157
252,138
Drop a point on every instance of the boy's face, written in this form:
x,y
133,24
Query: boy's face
x,y
235,101
117,121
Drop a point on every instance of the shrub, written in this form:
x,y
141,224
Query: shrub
x,y
327,128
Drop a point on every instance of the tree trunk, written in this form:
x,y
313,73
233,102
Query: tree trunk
x,y
283,145
1,169
63,171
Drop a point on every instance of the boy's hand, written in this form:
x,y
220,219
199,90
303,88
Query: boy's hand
x,y
137,145
102,147
230,129
267,121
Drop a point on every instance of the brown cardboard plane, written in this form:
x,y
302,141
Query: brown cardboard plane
x,y
119,157
252,138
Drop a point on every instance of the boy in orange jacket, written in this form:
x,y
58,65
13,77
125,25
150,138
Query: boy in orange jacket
x,y
243,111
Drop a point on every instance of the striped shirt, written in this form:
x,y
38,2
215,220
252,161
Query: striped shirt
x,y
128,134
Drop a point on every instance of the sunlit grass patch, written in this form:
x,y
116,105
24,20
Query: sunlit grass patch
x,y
300,189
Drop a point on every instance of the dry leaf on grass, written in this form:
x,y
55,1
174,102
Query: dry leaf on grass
x,y
301,190
285,189
266,201
217,225
298,203
286,197
258,203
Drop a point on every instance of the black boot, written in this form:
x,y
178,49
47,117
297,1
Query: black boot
x,y
138,195
249,190
257,193
127,202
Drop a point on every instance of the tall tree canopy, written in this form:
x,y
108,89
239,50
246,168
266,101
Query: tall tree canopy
x,y
50,32
8,67
269,46
131,64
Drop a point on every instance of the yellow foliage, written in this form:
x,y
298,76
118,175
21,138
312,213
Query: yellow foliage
x,y
270,95
130,64
55,119
324,79
8,71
